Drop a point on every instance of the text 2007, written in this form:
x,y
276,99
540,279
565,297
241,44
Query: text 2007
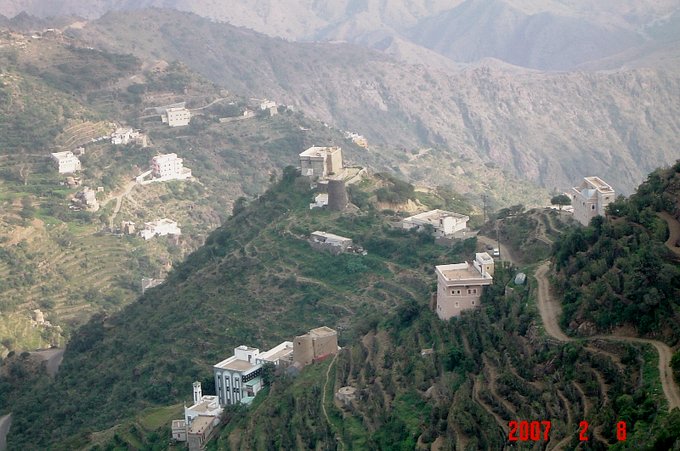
x,y
528,431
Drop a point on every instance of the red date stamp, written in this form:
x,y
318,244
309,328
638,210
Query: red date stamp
x,y
528,430
535,431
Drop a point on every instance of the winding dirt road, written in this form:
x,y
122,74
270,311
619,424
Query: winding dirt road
x,y
674,229
550,311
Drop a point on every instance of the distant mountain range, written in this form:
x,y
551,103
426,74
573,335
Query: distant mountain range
x,y
480,83
550,128
551,35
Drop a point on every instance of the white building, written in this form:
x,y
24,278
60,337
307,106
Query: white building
x,y
267,104
237,379
66,162
321,161
336,244
176,117
280,355
320,200
199,420
459,286
161,227
169,167
591,198
443,222
123,136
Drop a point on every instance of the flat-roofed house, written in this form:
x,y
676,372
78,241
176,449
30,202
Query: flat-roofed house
x,y
335,244
591,198
66,162
459,286
320,162
315,345
176,116
169,167
444,223
280,355
237,379
161,227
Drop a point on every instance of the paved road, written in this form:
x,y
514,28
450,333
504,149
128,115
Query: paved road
x,y
550,312
5,423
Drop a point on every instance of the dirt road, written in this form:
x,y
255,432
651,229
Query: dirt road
x,y
674,229
504,250
550,312
5,423
119,200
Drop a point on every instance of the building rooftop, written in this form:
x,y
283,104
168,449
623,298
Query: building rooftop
x,y
62,155
599,184
484,258
322,331
178,424
316,151
461,272
436,215
277,352
200,424
234,364
329,237
207,404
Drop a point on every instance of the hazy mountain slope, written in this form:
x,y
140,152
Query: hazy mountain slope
x,y
550,128
553,34
482,28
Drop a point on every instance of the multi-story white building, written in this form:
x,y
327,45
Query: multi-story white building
x,y
169,167
444,223
591,198
161,227
199,420
237,379
459,286
66,162
321,162
176,117
280,355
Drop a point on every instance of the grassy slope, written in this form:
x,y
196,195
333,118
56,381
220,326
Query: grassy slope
x,y
55,96
256,281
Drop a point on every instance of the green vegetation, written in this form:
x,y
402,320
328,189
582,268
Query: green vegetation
x,y
617,271
258,262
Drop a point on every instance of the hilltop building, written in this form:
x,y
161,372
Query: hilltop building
x,y
176,116
320,162
169,167
335,244
66,162
315,345
591,198
320,201
237,379
123,136
199,420
87,198
459,286
444,223
161,227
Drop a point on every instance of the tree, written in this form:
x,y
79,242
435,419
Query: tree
x,y
561,200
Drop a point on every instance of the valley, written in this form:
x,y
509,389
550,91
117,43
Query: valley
x,y
157,212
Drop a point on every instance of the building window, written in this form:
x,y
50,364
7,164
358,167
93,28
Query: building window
x,y
473,302
592,207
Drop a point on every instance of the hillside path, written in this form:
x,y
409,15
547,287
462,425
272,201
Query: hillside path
x,y
323,399
504,250
674,232
119,201
5,423
550,311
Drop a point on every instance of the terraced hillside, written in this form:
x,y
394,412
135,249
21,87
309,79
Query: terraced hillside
x,y
57,94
